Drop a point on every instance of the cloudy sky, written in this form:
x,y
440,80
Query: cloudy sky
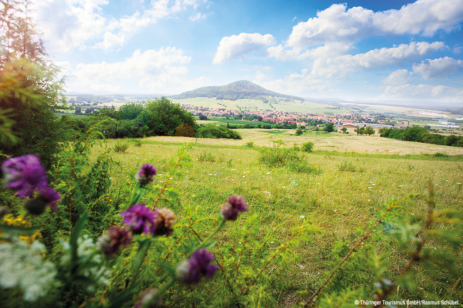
x,y
359,50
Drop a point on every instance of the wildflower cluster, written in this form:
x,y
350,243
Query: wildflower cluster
x,y
21,265
85,262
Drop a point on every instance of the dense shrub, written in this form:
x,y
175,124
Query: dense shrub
x,y
120,147
185,130
307,147
213,131
421,134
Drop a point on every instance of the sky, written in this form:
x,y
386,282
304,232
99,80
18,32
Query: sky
x,y
358,50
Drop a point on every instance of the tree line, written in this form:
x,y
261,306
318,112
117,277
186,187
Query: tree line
x,y
421,134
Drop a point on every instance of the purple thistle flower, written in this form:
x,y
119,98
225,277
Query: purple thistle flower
x,y
163,222
139,218
51,197
114,240
234,206
190,271
47,197
147,300
24,174
145,174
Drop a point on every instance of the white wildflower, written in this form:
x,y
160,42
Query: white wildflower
x,y
302,216
85,247
22,265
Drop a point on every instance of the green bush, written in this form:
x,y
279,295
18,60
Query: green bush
x,y
215,132
277,157
301,166
349,167
206,156
307,147
249,144
120,147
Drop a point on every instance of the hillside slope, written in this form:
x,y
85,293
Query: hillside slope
x,y
242,89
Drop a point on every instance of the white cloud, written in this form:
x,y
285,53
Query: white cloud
x,y
68,24
339,24
437,68
425,92
197,17
260,75
298,84
294,18
160,70
328,50
238,46
374,59
398,77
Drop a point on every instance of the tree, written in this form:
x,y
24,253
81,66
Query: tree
x,y
299,131
185,130
163,117
202,117
329,127
28,87
344,130
369,130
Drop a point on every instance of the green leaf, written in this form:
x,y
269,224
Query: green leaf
x,y
75,235
141,254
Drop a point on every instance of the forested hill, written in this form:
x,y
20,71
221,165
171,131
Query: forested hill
x,y
242,89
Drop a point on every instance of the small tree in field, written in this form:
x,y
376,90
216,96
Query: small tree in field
x,y
299,131
329,127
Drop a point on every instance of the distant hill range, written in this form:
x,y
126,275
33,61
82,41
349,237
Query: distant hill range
x,y
242,89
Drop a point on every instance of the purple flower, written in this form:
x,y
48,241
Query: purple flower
x,y
24,174
114,240
139,218
234,206
190,271
145,174
47,197
147,300
51,197
163,222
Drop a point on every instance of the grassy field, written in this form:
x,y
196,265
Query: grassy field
x,y
336,202
331,142
256,105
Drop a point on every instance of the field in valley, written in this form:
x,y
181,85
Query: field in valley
x,y
336,202
256,105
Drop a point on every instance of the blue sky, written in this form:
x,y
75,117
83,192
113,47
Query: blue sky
x,y
358,50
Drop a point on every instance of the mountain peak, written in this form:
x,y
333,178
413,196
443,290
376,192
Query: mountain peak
x,y
241,89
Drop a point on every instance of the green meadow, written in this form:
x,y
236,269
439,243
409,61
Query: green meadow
x,y
339,203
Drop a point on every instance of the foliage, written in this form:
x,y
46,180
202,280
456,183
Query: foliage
x,y
365,130
213,131
206,157
299,131
202,117
421,134
185,130
121,147
307,147
164,116
348,166
329,127
29,91
249,144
